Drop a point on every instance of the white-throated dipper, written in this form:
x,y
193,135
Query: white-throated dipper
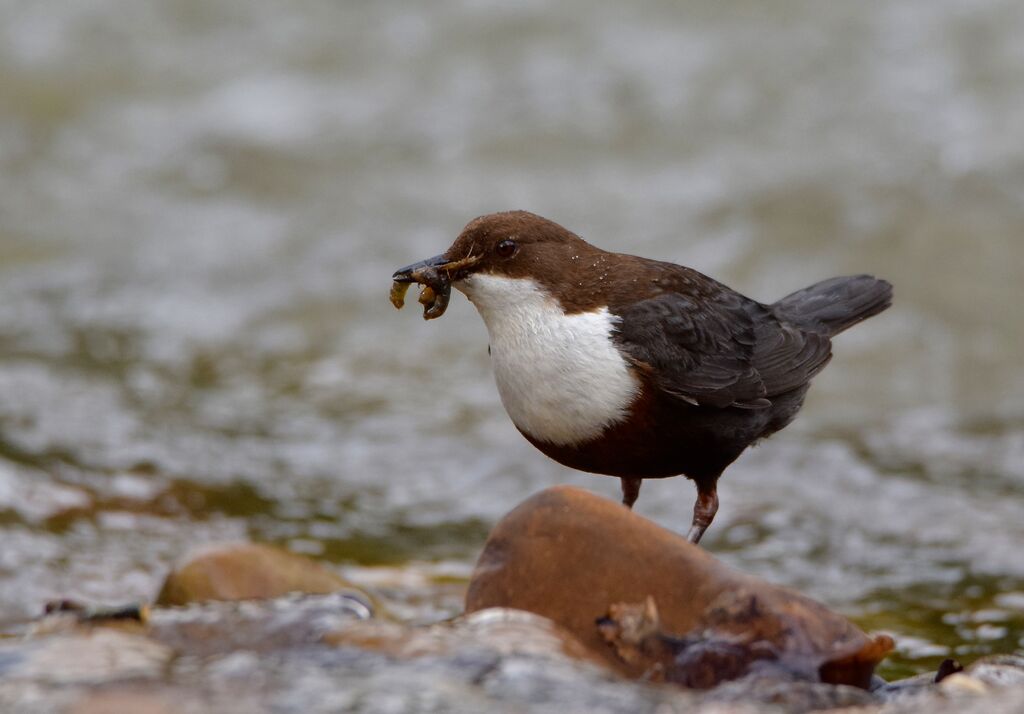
x,y
635,368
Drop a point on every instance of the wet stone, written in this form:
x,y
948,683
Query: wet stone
x,y
87,656
668,611
320,654
990,684
1007,700
127,701
997,671
246,571
560,558
906,688
255,625
496,631
790,694
273,656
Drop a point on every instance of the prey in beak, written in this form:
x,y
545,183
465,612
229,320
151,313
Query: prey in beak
x,y
436,275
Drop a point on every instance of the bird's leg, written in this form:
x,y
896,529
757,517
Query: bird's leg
x,y
630,490
704,510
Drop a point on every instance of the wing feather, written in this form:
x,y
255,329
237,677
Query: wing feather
x,y
706,344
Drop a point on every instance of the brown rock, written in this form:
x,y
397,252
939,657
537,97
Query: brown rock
x,y
569,555
246,571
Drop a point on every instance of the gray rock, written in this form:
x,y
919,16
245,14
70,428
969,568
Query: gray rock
x,y
93,657
224,627
990,685
998,670
324,655
1009,700
903,688
794,696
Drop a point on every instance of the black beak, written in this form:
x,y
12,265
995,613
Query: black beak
x,y
426,271
414,273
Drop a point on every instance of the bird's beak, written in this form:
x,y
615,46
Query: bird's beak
x,y
425,270
416,272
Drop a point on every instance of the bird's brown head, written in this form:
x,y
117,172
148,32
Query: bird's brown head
x,y
515,246
511,244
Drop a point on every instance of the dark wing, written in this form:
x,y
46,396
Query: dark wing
x,y
709,345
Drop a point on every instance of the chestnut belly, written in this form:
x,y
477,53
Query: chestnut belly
x,y
665,436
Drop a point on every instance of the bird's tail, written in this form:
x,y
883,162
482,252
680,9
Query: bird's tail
x,y
833,305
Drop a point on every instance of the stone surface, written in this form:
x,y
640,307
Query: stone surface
x,y
499,630
575,554
273,656
112,702
83,656
944,700
903,688
995,671
296,620
245,571
791,695
319,654
570,555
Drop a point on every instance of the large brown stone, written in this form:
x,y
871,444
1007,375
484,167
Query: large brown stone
x,y
246,571
570,556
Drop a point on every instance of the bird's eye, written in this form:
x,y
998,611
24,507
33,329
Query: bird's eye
x,y
506,248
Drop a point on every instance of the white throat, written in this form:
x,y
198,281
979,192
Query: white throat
x,y
560,377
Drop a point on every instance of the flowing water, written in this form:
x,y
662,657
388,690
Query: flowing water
x,y
201,205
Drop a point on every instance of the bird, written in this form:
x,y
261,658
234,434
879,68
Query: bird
x,y
636,368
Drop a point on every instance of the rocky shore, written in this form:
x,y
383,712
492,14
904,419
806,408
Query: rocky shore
x,y
576,604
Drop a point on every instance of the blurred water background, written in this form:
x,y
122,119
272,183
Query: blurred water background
x,y
201,205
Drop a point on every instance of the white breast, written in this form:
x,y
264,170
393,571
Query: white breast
x,y
560,377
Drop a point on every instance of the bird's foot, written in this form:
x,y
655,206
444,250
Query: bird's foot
x,y
630,491
704,510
